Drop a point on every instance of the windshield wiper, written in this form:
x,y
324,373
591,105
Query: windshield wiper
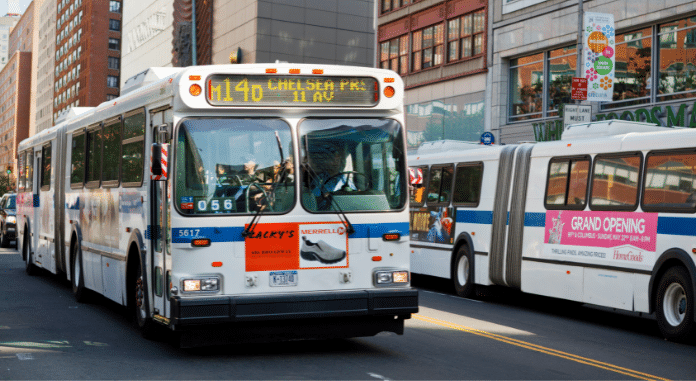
x,y
249,230
326,194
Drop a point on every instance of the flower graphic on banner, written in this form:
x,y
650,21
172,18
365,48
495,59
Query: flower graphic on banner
x,y
595,86
592,56
608,52
605,83
599,27
589,29
608,31
591,74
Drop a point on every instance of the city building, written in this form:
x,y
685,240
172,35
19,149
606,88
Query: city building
x,y
439,48
87,53
15,90
246,31
43,65
534,57
7,22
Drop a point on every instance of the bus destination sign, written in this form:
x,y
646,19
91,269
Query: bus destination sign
x,y
291,90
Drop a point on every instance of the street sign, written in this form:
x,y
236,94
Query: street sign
x,y
573,114
578,90
487,138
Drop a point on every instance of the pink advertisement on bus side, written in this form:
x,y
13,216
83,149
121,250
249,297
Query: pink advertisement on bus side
x,y
617,231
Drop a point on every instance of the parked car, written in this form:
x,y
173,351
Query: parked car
x,y
8,220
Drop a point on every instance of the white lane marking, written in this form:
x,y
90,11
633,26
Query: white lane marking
x,y
25,356
378,376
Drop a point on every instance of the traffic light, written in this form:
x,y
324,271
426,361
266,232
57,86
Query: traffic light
x,y
9,170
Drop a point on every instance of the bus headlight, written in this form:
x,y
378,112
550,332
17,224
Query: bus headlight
x,y
207,284
11,220
391,277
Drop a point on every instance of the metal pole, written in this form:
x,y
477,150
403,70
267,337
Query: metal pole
x,y
578,64
193,32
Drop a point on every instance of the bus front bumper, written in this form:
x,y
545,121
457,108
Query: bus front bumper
x,y
386,303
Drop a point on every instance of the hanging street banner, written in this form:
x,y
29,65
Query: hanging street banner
x,y
599,49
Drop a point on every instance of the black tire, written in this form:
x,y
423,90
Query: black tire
x,y
29,267
77,275
674,307
463,273
4,242
138,290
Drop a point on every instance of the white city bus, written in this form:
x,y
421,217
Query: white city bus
x,y
604,216
192,199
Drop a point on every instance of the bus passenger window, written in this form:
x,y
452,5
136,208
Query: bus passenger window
x,y
615,183
446,188
670,182
46,168
133,148
77,160
467,184
416,184
434,184
567,183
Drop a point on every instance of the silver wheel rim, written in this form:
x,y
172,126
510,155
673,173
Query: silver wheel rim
x,y
463,270
674,304
77,272
139,298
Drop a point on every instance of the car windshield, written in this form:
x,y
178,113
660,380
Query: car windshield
x,y
233,166
352,165
10,203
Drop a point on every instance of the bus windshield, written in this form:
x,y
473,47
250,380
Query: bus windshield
x,y
352,165
233,166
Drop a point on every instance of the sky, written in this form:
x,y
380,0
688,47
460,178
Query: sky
x,y
23,4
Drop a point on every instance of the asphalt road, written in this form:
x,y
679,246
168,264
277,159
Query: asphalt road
x,y
45,334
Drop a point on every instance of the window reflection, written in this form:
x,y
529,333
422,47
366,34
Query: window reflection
x,y
615,182
670,181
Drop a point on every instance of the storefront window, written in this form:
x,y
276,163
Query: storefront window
x,y
633,68
677,71
526,87
562,69
455,118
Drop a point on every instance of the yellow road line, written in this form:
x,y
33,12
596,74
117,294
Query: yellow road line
x,y
539,348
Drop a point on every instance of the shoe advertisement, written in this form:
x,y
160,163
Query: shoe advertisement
x,y
293,246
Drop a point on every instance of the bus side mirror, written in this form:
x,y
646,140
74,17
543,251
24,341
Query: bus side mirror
x,y
158,162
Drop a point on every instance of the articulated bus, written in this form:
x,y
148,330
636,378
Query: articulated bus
x,y
195,199
604,216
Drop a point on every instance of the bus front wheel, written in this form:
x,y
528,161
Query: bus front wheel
x,y
138,294
463,273
675,305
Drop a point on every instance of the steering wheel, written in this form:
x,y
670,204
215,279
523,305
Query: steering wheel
x,y
263,191
346,183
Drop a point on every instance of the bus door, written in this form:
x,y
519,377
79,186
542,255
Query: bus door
x,y
44,218
39,243
159,215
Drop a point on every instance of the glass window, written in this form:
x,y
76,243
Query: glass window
x,y
114,25
353,164
114,43
394,55
567,189
670,182
77,159
428,47
562,69
615,182
233,166
466,35
112,81
113,63
133,149
21,167
633,68
46,167
417,186
434,185
111,137
389,5
677,60
526,87
467,184
94,154
29,172
114,6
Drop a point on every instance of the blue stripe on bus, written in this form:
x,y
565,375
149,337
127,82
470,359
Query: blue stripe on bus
x,y
535,219
234,234
475,217
676,226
